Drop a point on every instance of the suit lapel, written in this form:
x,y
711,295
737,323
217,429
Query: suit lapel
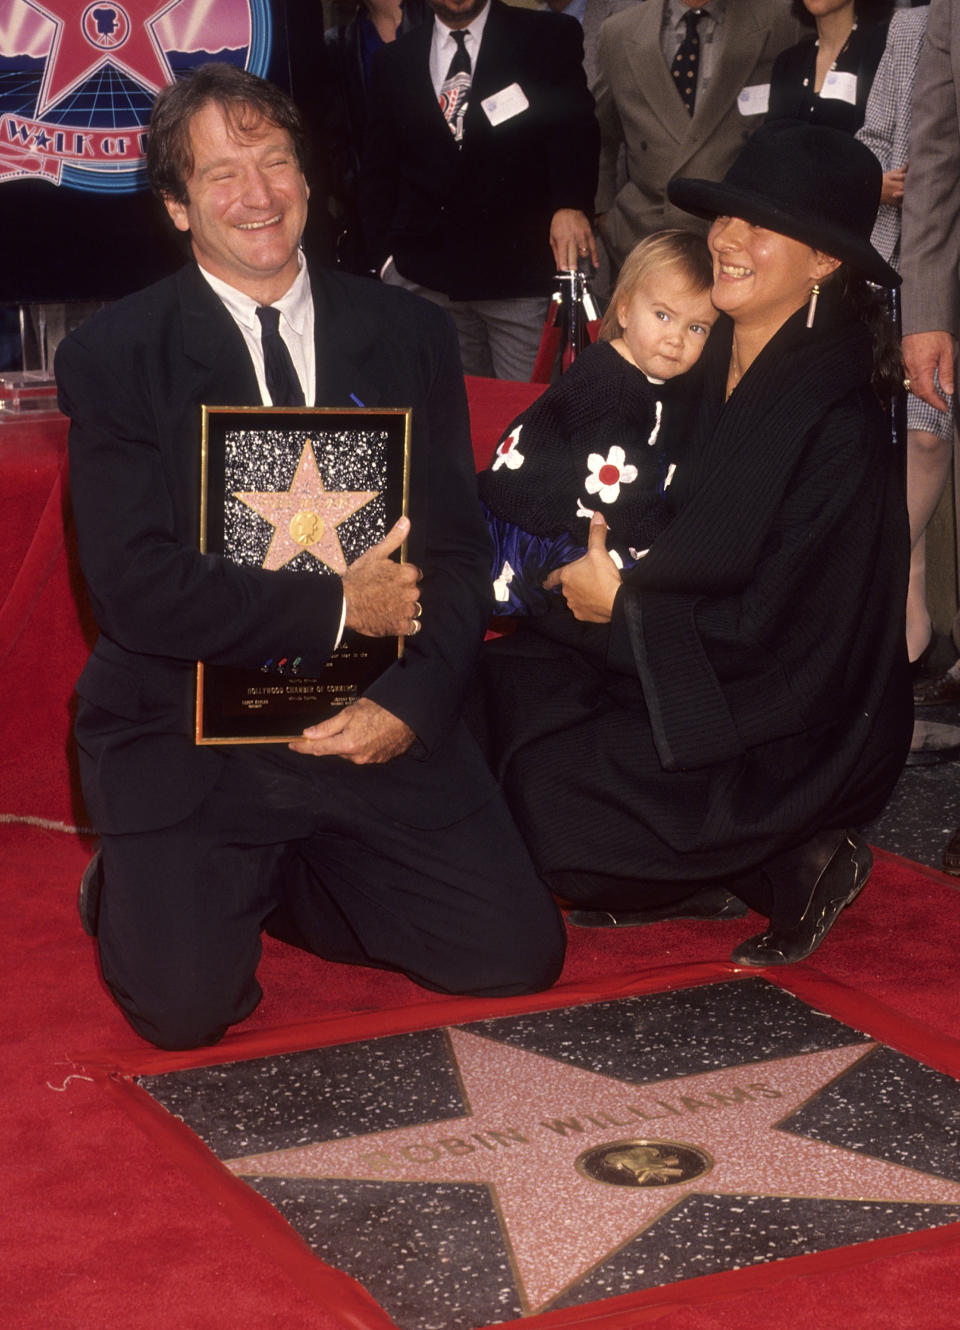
x,y
344,343
418,85
744,37
495,55
651,78
214,345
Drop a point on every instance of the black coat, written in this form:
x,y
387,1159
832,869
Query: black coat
x,y
791,83
752,687
474,221
337,106
132,381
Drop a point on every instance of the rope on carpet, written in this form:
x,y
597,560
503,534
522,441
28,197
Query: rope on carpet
x,y
48,824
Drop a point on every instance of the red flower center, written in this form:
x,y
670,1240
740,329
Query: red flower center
x,y
608,474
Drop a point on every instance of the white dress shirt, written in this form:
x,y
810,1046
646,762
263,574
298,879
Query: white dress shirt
x,y
443,47
296,328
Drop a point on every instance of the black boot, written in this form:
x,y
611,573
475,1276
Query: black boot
x,y
822,882
88,897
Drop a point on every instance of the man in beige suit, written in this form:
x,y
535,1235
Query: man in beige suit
x,y
640,106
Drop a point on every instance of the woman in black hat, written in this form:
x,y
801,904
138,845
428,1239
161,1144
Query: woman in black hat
x,y
712,726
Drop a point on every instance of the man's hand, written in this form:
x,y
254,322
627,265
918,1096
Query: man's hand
x,y
381,595
590,584
571,238
892,188
923,353
361,733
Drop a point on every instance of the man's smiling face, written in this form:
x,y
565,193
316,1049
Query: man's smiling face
x,y
246,202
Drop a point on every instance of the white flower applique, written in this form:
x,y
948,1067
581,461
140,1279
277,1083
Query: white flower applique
x,y
507,452
500,592
608,474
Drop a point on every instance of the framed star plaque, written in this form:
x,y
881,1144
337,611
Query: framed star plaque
x,y
307,489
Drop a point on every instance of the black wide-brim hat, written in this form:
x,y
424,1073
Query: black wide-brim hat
x,y
808,182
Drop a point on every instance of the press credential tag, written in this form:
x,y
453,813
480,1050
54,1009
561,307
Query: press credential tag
x,y
842,87
504,105
755,100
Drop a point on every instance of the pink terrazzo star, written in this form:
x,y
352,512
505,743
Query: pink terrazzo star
x,y
306,516
88,37
531,1118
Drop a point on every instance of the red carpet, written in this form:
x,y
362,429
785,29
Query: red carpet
x,y
100,1229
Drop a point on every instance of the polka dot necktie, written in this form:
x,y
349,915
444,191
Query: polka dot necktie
x,y
686,61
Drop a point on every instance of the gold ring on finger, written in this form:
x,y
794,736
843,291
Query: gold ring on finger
x,y
417,609
415,626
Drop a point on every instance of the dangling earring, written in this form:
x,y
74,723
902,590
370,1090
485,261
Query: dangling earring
x,y
812,306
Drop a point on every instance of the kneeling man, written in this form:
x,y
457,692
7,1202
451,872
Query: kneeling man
x,y
381,838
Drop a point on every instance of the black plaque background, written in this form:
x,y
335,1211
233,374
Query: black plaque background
x,y
272,705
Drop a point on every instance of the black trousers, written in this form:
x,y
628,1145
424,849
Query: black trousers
x,y
286,847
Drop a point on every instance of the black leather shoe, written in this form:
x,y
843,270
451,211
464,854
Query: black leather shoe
x,y
937,692
710,903
839,882
88,897
951,855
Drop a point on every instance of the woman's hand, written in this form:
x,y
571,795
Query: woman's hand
x,y
590,584
892,189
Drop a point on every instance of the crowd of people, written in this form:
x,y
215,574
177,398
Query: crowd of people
x,y
700,528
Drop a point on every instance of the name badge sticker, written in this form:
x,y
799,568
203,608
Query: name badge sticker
x,y
754,100
504,105
841,87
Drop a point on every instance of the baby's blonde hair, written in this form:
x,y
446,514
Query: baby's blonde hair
x,y
685,250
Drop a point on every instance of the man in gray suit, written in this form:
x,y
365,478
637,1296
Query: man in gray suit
x,y
639,103
930,246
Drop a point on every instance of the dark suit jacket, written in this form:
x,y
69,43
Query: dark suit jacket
x,y
474,221
132,381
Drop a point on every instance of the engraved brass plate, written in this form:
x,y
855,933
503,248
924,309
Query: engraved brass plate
x,y
643,1163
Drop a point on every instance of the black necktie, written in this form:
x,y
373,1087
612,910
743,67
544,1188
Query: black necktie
x,y
282,382
460,64
685,62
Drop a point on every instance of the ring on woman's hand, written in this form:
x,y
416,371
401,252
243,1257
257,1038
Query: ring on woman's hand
x,y
417,609
415,626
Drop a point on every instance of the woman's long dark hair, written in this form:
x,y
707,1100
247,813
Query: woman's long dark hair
x,y
871,305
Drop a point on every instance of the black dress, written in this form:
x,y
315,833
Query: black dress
x,y
794,73
752,687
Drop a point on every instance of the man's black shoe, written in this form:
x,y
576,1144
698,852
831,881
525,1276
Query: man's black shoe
x,y
709,904
88,897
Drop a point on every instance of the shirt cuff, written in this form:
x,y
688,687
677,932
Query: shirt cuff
x,y
343,620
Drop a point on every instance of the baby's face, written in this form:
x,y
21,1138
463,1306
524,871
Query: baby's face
x,y
665,323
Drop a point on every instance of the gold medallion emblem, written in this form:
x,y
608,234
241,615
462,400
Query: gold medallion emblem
x,y
643,1163
306,528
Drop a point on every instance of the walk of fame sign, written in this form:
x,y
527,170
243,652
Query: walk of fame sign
x,y
306,490
478,1174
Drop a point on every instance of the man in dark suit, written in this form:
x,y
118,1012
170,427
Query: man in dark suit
x,y
480,171
381,838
